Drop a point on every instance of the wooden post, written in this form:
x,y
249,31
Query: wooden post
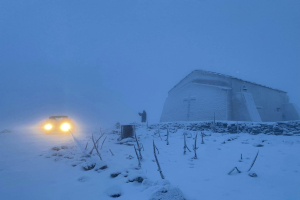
x,y
159,169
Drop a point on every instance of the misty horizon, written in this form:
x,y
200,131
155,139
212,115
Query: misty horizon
x,y
104,62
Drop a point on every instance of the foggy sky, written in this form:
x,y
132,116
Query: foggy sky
x,y
104,61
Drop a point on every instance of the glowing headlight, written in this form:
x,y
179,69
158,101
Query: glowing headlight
x,y
48,127
65,127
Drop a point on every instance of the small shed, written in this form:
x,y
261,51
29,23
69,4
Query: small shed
x,y
127,131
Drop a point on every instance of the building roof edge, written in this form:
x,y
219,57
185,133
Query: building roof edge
x,y
232,77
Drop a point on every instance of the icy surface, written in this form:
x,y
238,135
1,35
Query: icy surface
x,y
31,168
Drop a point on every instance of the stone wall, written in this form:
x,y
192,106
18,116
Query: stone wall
x,y
271,128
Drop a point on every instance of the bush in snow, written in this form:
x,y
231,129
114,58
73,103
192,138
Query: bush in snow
x,y
167,192
100,165
88,166
135,176
114,191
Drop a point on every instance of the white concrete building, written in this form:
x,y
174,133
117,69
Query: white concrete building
x,y
202,93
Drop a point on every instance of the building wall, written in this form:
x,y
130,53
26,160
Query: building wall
x,y
291,112
269,102
205,101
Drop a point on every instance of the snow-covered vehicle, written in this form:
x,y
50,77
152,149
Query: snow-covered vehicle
x,y
58,124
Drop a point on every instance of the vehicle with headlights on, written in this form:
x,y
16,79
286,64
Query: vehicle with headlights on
x,y
58,124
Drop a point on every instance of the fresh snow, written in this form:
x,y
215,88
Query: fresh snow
x,y
31,168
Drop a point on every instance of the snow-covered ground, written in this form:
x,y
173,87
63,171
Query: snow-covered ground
x,y
30,168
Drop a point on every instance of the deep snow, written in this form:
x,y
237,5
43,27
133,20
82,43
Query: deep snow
x,y
31,169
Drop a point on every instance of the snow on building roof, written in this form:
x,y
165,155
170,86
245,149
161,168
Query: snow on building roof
x,y
228,76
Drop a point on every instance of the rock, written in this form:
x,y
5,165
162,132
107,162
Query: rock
x,y
69,157
114,175
55,149
258,145
82,179
220,130
256,131
232,131
88,167
129,157
252,174
137,179
115,195
103,167
266,131
277,130
64,147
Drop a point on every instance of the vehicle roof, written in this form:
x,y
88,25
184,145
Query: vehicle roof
x,y
55,117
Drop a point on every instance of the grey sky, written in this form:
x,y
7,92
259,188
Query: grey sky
x,y
104,61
